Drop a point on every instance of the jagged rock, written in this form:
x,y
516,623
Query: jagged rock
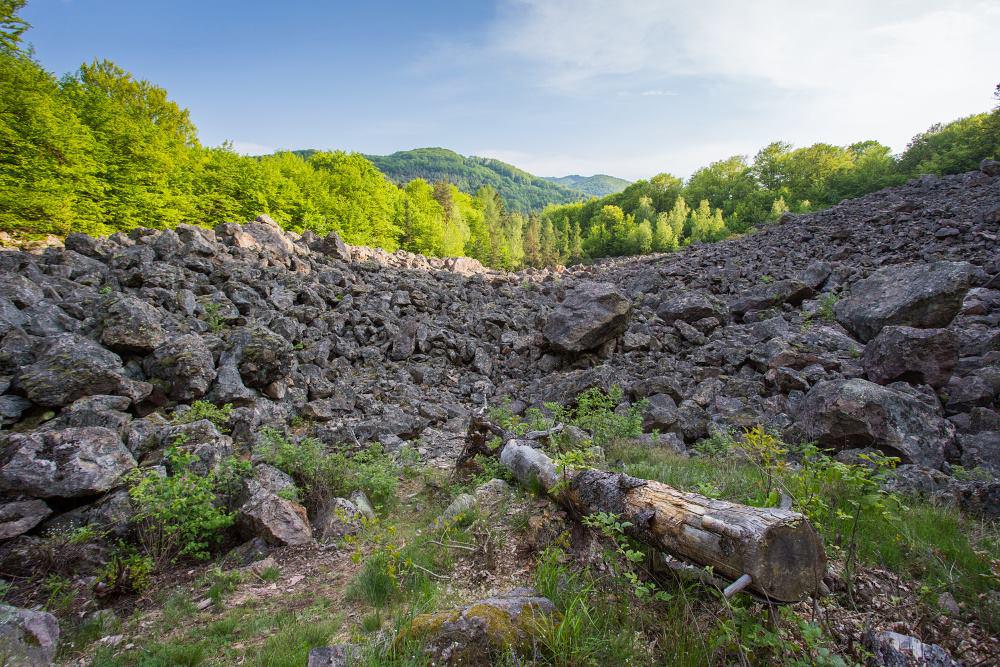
x,y
337,519
966,393
590,315
202,439
332,245
267,515
28,638
478,633
69,463
131,325
981,450
12,407
990,167
661,413
891,649
855,413
916,295
20,516
182,367
771,295
266,358
72,367
689,306
341,655
919,356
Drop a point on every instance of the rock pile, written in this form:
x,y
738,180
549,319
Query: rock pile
x,y
875,323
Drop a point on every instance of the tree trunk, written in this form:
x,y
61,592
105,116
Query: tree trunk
x,y
777,548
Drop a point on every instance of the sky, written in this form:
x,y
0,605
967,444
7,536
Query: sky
x,y
630,88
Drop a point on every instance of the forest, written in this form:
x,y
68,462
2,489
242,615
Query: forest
x,y
100,151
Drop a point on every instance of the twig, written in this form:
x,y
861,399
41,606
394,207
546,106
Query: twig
x,y
431,574
454,545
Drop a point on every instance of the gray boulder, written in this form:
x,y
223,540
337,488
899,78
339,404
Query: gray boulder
x,y
590,315
855,413
69,463
774,294
27,638
660,414
266,357
919,356
131,325
337,519
20,516
182,367
267,515
891,649
917,295
72,367
689,306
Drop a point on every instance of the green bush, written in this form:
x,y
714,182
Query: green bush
x,y
177,515
204,410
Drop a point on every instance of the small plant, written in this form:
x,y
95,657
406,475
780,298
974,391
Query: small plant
x,y
718,444
59,594
613,528
767,279
204,410
270,573
825,308
126,571
595,412
213,317
220,584
177,515
767,453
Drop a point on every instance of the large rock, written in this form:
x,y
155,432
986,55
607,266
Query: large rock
x,y
660,414
27,638
484,630
183,367
918,295
774,294
266,357
590,315
72,367
267,515
856,413
891,649
69,463
919,356
689,306
20,516
131,325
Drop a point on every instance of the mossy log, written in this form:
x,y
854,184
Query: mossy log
x,y
779,549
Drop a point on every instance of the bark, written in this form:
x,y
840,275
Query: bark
x,y
777,548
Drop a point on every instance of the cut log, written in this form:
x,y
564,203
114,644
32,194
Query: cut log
x,y
778,549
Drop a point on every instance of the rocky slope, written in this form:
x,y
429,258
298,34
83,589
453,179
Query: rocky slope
x,y
875,323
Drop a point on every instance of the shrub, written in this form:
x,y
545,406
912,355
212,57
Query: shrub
x,y
177,515
204,410
126,571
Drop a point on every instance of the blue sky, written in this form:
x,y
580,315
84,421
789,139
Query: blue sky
x,y
630,88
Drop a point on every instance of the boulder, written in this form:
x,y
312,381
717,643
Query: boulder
x,y
131,325
27,638
266,357
20,516
182,367
660,414
773,294
689,306
72,367
856,413
337,519
69,463
917,295
340,655
479,633
267,515
590,315
918,356
891,649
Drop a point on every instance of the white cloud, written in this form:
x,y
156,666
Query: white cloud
x,y
250,148
837,70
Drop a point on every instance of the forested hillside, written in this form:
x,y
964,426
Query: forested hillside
x,y
520,191
100,151
598,185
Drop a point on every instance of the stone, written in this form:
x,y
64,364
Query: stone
x,y
924,296
918,356
990,167
72,367
773,294
341,655
483,630
336,520
856,413
981,450
660,413
20,516
28,638
267,515
131,325
689,306
891,649
266,357
69,463
590,315
182,367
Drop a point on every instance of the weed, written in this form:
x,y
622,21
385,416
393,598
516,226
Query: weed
x,y
199,410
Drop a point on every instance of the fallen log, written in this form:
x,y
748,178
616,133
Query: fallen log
x,y
777,549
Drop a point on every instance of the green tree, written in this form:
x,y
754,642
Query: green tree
x,y
12,26
423,219
707,224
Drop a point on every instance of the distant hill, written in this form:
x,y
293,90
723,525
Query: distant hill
x,y
598,185
520,190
